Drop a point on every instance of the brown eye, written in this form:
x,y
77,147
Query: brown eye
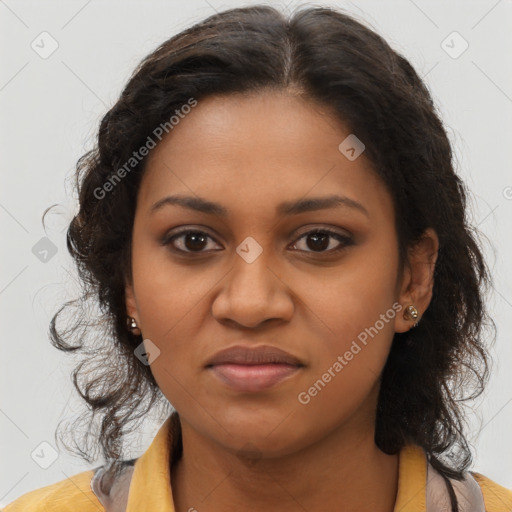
x,y
192,241
320,240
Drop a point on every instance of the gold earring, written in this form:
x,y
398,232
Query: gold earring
x,y
411,313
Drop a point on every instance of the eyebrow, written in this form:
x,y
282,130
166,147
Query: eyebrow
x,y
283,209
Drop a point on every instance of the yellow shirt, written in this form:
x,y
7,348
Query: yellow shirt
x,y
150,489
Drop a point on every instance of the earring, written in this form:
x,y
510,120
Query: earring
x,y
132,324
411,313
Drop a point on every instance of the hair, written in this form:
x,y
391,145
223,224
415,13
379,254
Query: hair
x,y
327,57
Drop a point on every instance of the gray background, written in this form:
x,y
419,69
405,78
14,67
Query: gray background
x,y
50,112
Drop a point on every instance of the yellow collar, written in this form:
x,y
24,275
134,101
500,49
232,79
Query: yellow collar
x,y
151,483
150,487
412,480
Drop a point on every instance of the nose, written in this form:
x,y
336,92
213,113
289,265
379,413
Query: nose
x,y
252,293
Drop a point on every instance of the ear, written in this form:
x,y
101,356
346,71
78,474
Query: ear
x,y
131,304
417,280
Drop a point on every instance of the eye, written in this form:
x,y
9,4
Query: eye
x,y
318,240
190,241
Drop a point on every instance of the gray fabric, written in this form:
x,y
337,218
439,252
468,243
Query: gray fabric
x,y
112,495
468,493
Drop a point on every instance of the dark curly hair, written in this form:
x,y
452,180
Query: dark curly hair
x,y
325,56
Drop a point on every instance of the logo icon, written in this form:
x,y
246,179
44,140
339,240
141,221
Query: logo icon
x,y
249,249
44,45
44,250
351,147
454,45
147,352
44,455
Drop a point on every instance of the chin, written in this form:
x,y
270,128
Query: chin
x,y
259,433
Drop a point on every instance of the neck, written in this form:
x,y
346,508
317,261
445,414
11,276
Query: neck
x,y
342,469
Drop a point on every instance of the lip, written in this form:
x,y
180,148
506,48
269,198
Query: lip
x,y
253,369
262,354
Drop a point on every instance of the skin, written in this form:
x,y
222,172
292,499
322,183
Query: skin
x,y
250,153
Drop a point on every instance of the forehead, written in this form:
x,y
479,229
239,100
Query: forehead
x,y
259,149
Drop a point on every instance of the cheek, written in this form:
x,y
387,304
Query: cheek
x,y
355,295
355,316
346,365
171,305
166,293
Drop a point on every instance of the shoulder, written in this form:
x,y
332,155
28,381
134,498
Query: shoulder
x,y
73,494
496,497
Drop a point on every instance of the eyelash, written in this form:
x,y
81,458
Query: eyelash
x,y
344,239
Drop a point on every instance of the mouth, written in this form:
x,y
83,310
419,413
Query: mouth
x,y
253,369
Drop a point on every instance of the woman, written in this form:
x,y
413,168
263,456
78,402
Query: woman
x,y
273,228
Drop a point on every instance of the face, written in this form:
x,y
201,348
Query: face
x,y
317,281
